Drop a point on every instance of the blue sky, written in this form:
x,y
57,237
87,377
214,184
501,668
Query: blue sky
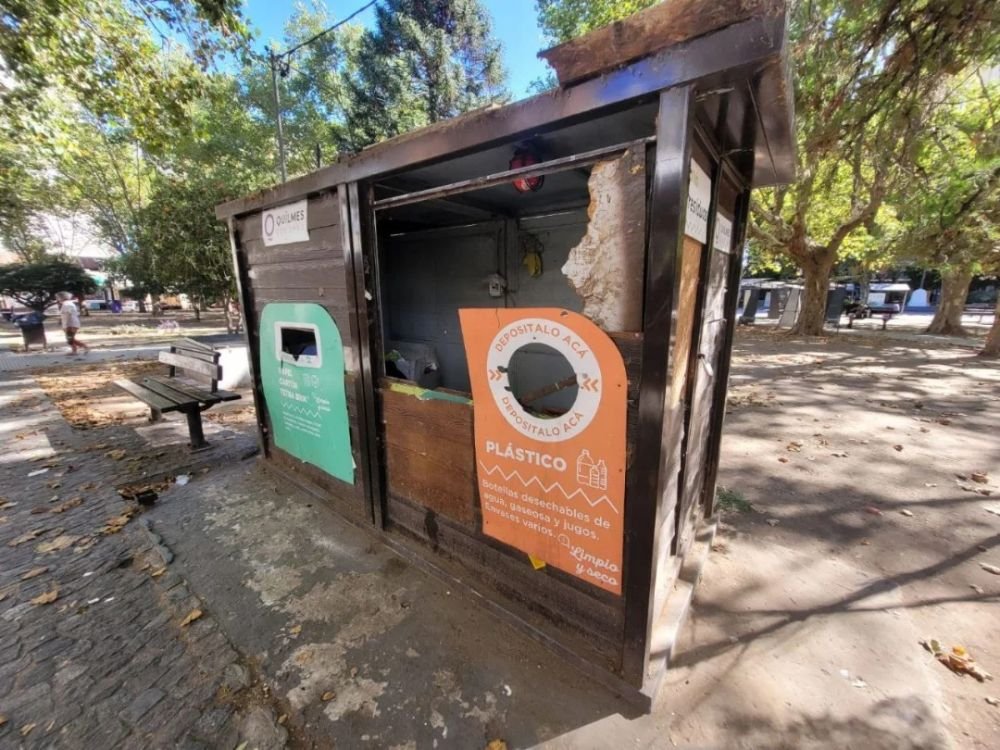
x,y
515,24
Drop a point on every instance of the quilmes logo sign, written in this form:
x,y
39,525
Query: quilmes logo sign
x,y
286,224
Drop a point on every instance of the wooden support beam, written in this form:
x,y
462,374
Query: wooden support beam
x,y
646,507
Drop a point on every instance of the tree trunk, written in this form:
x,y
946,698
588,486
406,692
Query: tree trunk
x,y
812,312
948,315
197,311
865,284
992,347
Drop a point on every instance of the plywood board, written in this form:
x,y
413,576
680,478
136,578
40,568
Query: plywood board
x,y
690,272
429,453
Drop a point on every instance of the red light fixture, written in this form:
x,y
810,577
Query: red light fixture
x,y
525,158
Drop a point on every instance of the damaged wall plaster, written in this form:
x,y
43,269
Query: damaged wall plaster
x,y
606,266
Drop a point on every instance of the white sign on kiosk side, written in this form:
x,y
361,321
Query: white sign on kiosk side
x,y
699,200
723,239
286,224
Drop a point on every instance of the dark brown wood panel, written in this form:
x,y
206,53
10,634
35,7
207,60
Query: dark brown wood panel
x,y
323,211
347,496
309,274
329,297
597,617
324,242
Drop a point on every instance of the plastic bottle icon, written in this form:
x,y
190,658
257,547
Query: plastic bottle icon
x,y
599,475
584,467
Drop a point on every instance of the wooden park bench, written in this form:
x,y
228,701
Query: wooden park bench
x,y
979,311
886,312
171,393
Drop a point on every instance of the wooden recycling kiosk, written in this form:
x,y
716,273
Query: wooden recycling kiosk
x,y
503,341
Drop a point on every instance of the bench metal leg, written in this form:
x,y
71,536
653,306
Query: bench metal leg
x,y
194,430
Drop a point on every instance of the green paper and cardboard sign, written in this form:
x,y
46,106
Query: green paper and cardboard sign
x,y
302,374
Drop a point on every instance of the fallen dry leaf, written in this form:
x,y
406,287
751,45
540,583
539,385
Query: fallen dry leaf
x,y
839,454
193,615
3,595
47,598
27,536
295,629
873,510
496,745
782,459
26,729
3,720
976,588
957,660
158,572
990,568
71,503
33,573
897,447
907,513
979,477
328,696
60,542
117,523
118,454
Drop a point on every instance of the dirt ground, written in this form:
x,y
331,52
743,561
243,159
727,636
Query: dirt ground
x,y
857,468
861,502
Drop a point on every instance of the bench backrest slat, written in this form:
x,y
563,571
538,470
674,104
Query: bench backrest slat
x,y
199,354
177,360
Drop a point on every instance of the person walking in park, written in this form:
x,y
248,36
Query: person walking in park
x,y
69,315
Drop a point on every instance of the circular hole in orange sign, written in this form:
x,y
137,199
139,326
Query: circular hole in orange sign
x,y
542,380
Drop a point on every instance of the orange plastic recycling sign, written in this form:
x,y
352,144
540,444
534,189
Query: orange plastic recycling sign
x,y
551,480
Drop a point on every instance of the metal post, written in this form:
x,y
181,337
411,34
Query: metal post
x,y
273,59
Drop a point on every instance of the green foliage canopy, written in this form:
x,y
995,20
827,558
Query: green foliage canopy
x,y
425,60
36,285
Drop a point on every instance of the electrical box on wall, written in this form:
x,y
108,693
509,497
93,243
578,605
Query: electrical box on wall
x,y
497,285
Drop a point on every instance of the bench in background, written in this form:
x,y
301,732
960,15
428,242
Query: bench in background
x,y
195,393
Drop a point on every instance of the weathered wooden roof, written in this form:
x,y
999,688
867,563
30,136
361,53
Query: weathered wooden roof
x,y
663,25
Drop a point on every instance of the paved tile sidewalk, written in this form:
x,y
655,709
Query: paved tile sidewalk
x,y
108,663
12,361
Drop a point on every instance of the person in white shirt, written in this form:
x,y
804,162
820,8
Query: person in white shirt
x,y
69,316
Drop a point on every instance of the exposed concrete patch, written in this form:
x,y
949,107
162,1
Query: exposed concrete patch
x,y
278,571
322,667
352,592
358,694
259,730
606,267
273,582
